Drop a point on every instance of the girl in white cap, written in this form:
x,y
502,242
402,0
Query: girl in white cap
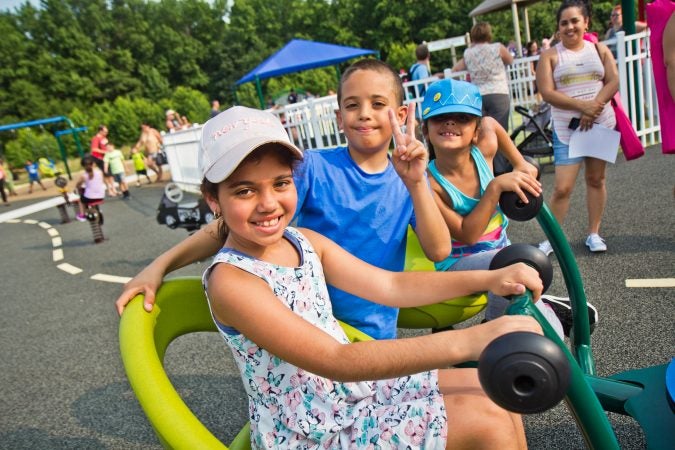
x,y
307,386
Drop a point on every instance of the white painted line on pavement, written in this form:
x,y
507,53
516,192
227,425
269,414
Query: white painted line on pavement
x,y
69,268
110,278
53,232
57,254
56,242
12,221
650,283
44,225
35,207
30,221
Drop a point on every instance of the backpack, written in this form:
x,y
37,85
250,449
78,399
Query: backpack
x,y
411,89
411,73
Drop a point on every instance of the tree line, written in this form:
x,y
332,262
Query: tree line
x,y
119,62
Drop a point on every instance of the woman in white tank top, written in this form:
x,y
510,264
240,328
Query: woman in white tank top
x,y
578,79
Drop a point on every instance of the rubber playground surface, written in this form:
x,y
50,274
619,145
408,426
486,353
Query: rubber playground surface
x,y
62,383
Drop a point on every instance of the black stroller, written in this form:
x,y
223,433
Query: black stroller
x,y
533,137
536,130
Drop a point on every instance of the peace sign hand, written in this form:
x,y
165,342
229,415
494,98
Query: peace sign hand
x,y
410,157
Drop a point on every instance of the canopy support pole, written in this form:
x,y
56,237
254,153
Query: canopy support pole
x,y
527,26
258,88
516,29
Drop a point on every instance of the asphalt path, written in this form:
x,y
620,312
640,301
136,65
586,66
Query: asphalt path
x,y
63,386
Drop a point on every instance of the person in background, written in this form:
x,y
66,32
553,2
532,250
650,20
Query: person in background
x,y
215,108
175,122
545,44
151,141
33,171
292,97
421,69
532,49
114,163
661,19
3,177
485,61
9,177
578,79
138,159
98,148
616,25
90,186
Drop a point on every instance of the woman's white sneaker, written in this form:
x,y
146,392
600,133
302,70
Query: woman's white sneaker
x,y
595,243
545,246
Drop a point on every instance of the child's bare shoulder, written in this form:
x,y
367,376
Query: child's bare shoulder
x,y
318,241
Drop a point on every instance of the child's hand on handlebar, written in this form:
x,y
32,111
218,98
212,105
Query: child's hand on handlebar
x,y
514,279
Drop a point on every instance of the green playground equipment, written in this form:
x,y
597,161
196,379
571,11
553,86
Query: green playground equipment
x,y
442,315
51,120
181,308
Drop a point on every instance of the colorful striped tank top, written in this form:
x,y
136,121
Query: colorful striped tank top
x,y
494,236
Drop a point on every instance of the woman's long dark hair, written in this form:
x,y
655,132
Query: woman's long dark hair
x,y
584,6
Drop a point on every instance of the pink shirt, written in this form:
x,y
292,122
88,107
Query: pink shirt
x,y
94,187
658,14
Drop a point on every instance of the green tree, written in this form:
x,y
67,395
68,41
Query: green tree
x,y
191,103
30,144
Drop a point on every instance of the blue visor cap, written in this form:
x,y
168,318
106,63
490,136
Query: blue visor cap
x,y
451,96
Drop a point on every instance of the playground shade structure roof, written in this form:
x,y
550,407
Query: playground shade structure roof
x,y
299,54
489,6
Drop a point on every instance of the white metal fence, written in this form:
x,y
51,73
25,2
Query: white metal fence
x,y
313,124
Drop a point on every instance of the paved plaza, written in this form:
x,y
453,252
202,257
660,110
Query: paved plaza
x,y
63,386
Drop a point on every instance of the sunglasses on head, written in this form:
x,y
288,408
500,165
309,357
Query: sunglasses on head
x,y
461,118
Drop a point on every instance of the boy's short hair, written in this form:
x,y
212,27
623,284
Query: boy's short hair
x,y
376,66
422,52
481,32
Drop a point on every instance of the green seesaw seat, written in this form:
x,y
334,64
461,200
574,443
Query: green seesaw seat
x,y
181,308
441,315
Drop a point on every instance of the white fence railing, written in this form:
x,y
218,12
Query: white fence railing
x,y
313,123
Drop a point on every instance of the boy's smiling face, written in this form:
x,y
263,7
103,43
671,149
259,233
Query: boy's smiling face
x,y
367,96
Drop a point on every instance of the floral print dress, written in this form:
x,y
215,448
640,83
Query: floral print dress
x,y
292,408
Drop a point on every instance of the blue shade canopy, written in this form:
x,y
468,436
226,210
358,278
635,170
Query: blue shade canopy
x,y
299,55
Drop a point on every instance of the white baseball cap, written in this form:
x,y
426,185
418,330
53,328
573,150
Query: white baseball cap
x,y
232,135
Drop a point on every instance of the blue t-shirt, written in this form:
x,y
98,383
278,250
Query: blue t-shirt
x,y
32,170
367,215
419,71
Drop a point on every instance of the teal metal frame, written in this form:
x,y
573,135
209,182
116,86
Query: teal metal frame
x,y
640,393
50,120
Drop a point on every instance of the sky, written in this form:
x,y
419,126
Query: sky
x,y
11,4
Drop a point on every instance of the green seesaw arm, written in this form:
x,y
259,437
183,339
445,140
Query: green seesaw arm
x,y
580,397
580,336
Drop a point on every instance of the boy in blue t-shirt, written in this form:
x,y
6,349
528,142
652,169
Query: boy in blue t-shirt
x,y
359,196
33,170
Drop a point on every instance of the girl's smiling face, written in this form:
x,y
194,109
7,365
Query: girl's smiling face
x,y
453,131
257,201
